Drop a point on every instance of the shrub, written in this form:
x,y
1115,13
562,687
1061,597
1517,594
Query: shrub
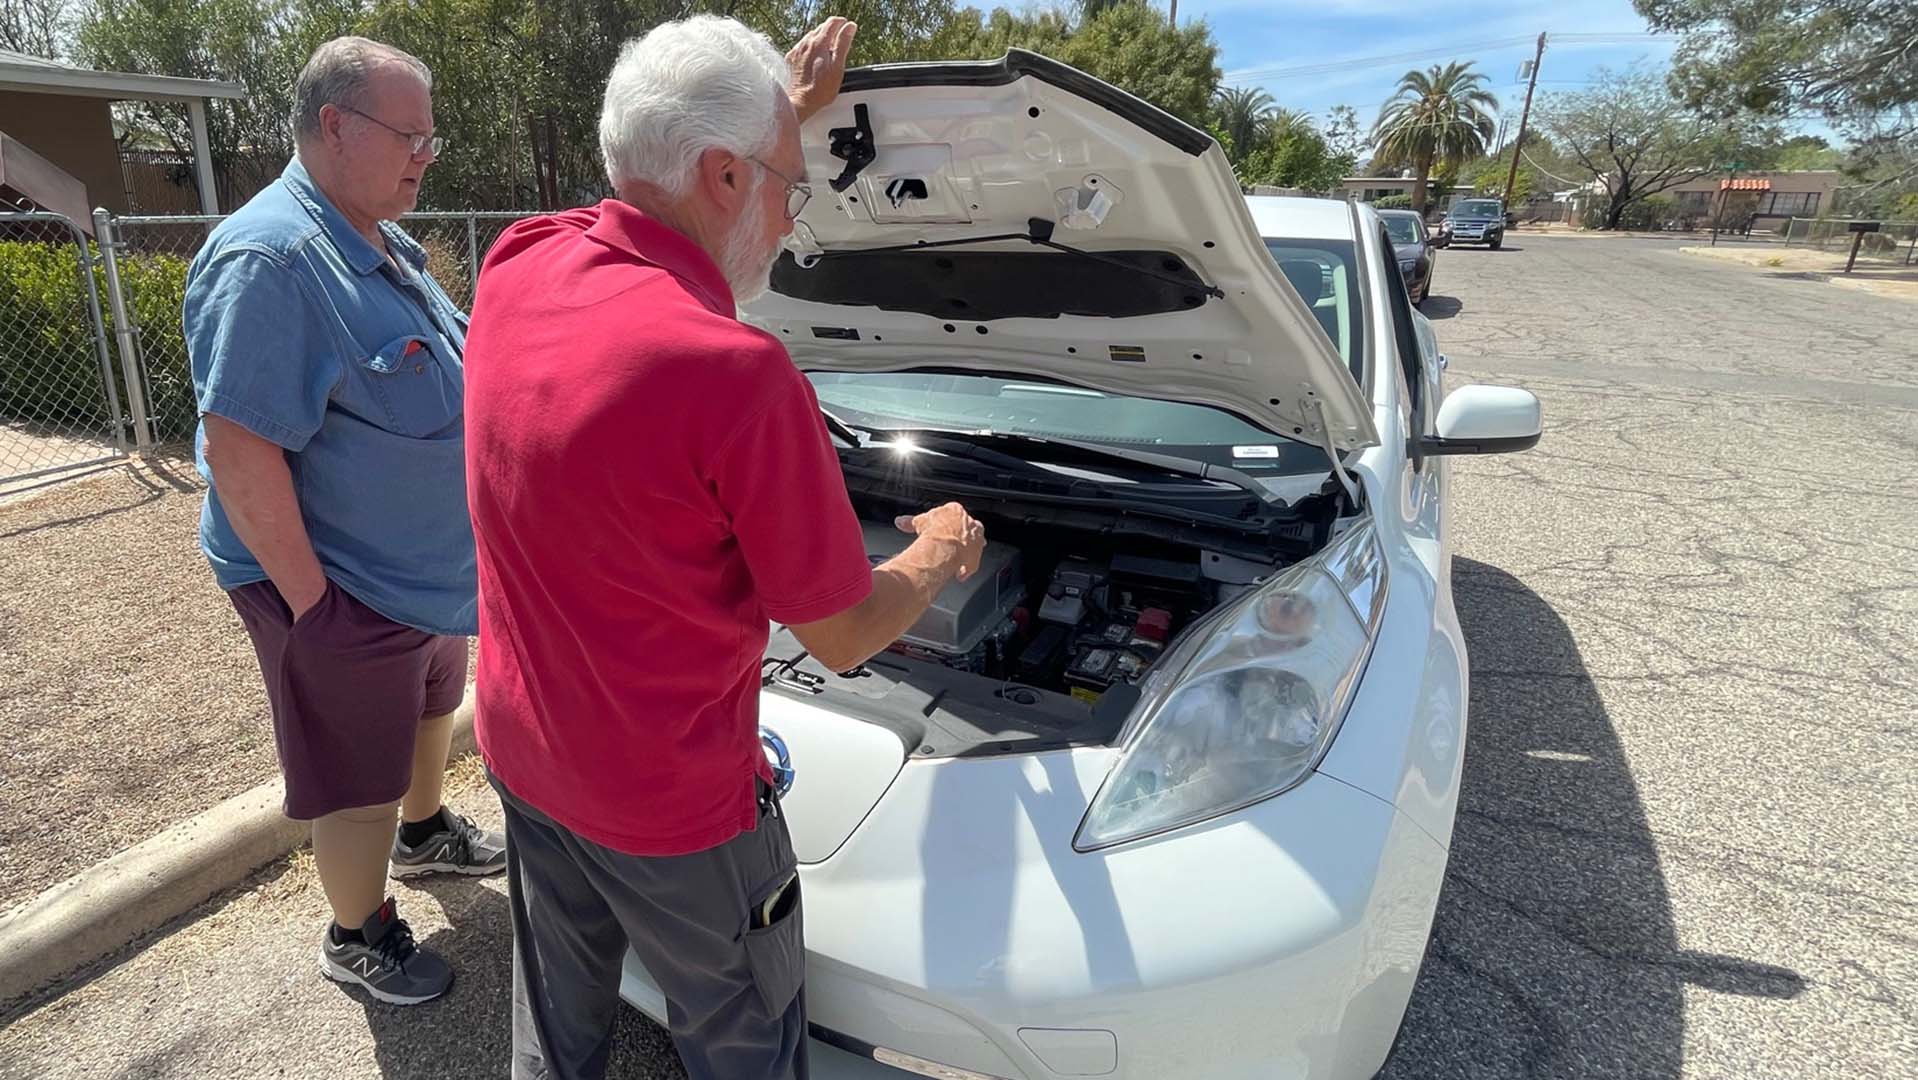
x,y
49,363
1393,202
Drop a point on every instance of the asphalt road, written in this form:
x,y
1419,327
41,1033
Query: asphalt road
x,y
1685,846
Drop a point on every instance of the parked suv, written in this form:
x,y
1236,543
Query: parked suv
x,y
1477,221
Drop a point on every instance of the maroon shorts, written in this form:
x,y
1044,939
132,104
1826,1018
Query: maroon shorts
x,y
348,687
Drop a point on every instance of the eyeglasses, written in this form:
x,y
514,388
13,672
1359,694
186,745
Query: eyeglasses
x,y
798,193
418,144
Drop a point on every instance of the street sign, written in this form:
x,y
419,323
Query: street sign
x,y
1862,226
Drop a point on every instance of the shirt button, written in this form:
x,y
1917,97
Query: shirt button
x,y
419,369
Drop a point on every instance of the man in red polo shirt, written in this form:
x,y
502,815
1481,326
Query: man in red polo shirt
x,y
651,482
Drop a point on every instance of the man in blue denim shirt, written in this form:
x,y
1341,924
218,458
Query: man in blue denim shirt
x,y
327,367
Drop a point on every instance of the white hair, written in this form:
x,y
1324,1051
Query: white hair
x,y
685,88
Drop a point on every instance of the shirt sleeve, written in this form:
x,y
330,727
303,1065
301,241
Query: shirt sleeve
x,y
779,483
260,355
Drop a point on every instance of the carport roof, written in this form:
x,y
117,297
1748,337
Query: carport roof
x,y
37,75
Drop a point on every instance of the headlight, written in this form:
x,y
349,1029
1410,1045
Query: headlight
x,y
1408,266
1245,706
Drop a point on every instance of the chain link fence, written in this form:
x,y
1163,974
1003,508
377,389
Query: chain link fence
x,y
1895,243
152,256
59,408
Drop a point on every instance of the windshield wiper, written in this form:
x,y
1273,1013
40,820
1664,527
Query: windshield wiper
x,y
838,428
1168,463
1038,231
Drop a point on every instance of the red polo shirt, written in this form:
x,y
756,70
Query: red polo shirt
x,y
651,483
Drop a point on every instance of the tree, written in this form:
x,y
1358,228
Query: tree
x,y
1343,136
1540,168
1853,61
1293,157
36,27
1633,139
1244,113
1806,152
259,44
1439,115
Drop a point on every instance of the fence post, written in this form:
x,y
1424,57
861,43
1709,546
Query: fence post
x,y
99,336
472,259
124,332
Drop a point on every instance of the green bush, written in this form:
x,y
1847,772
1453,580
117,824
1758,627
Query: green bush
x,y
49,363
1393,202
155,286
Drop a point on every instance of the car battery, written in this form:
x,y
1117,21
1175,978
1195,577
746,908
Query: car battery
x,y
1092,672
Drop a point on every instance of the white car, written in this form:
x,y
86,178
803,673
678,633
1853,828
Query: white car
x,y
1165,790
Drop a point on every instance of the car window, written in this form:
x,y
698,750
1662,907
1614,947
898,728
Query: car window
x,y
1481,207
1404,230
1335,301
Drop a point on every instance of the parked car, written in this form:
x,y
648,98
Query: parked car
x,y
1477,221
1165,788
1414,250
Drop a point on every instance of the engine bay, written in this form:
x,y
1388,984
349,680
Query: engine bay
x,y
1064,616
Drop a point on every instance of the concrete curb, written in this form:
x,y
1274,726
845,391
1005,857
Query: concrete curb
x,y
98,911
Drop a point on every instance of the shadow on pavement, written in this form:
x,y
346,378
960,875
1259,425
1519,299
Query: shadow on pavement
x,y
469,1032
1554,951
1441,307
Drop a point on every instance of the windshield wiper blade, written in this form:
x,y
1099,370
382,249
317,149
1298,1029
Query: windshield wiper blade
x,y
1038,231
838,428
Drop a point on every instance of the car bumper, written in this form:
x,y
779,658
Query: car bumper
x,y
959,927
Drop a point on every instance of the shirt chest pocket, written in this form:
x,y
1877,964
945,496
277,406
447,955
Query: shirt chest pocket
x,y
419,391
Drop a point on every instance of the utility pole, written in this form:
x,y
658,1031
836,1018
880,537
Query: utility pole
x,y
1524,117
1175,13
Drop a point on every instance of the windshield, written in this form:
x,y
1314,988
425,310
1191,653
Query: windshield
x,y
965,401
1476,208
1403,230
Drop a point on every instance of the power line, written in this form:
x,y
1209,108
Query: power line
x,y
1300,71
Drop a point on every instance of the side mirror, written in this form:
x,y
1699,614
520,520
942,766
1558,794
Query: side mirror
x,y
1484,420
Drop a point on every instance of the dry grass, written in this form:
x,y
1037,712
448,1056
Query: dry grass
x,y
129,697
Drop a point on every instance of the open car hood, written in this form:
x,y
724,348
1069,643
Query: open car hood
x,y
1172,294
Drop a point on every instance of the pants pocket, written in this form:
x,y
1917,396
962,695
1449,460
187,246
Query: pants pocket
x,y
777,956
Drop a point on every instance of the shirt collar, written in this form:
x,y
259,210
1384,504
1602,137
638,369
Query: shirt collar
x,y
624,227
360,254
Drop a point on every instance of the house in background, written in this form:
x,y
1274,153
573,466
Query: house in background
x,y
61,117
1374,188
1755,200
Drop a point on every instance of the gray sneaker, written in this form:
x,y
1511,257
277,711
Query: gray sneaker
x,y
459,847
386,964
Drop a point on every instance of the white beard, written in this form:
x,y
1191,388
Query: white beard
x,y
747,267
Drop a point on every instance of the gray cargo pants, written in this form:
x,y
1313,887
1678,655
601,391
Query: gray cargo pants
x,y
735,1005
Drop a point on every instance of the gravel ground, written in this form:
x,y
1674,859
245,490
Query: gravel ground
x,y
129,697
1684,845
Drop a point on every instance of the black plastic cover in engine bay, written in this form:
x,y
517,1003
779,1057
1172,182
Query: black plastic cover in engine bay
x,y
986,285
939,712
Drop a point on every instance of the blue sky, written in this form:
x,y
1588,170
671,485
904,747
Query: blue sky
x,y
1259,36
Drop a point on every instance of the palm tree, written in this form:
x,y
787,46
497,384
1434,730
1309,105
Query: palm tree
x,y
1281,124
1438,115
1243,113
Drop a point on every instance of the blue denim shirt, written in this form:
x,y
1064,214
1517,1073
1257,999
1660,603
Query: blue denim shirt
x,y
302,332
